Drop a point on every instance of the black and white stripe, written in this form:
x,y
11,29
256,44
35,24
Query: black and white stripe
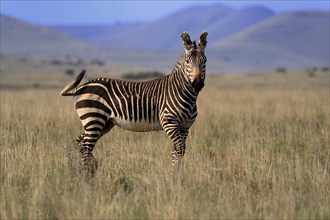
x,y
167,103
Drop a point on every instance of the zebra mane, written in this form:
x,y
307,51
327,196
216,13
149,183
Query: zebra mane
x,y
194,44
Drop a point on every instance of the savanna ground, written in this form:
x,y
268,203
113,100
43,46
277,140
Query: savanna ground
x,y
259,149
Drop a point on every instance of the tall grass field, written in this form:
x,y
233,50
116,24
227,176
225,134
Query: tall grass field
x,y
259,148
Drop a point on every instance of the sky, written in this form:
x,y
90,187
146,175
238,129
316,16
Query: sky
x,y
51,12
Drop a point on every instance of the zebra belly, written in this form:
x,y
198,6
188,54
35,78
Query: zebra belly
x,y
140,126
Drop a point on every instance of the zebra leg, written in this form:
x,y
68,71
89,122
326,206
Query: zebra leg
x,y
177,154
108,126
86,146
179,147
86,143
178,138
80,138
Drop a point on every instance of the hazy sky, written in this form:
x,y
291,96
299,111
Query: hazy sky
x,y
108,12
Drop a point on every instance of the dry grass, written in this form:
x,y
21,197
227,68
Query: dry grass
x,y
259,149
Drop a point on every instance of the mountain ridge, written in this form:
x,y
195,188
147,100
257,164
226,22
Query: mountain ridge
x,y
306,40
162,34
23,38
254,42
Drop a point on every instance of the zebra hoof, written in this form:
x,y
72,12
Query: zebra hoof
x,y
177,164
89,167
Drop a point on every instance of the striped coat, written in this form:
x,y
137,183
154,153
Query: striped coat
x,y
167,103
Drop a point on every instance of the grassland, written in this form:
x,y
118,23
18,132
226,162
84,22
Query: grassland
x,y
259,149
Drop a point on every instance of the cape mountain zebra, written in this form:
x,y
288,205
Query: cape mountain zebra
x,y
167,103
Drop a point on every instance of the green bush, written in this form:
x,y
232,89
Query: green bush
x,y
142,75
69,72
280,70
325,69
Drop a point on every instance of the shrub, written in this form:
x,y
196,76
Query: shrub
x,y
69,72
98,62
310,72
325,69
280,70
142,75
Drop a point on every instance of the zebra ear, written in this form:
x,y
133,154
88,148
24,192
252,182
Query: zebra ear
x,y
202,41
187,44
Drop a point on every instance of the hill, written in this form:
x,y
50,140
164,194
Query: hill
x,y
251,39
294,40
19,38
220,20
237,21
25,39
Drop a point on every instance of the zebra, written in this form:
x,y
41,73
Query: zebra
x,y
167,103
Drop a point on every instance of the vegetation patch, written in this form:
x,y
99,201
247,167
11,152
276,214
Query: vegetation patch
x,y
259,149
142,75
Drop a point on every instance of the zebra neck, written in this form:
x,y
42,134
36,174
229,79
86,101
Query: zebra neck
x,y
182,81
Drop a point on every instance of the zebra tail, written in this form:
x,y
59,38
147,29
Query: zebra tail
x,y
70,89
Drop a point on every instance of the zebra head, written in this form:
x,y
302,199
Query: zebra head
x,y
194,60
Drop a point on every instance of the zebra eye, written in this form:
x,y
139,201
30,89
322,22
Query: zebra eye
x,y
187,61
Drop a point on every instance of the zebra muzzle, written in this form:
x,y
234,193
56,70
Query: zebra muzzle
x,y
198,85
